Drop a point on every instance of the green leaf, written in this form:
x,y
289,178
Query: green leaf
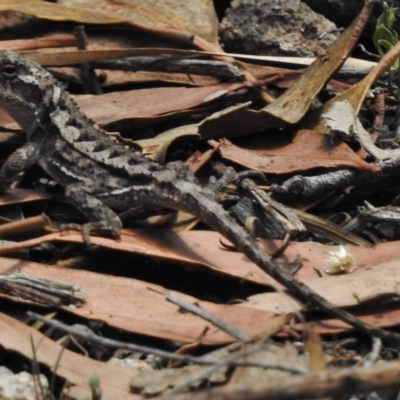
x,y
387,35
387,18
386,45
384,37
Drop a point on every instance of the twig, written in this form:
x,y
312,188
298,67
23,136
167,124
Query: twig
x,y
308,189
330,383
218,322
379,109
373,356
25,225
41,290
88,76
161,353
210,370
219,69
285,216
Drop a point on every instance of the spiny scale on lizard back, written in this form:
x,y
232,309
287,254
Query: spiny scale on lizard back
x,y
35,99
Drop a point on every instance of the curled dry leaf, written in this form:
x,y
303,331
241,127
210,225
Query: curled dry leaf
x,y
304,151
148,313
290,107
76,369
352,100
339,116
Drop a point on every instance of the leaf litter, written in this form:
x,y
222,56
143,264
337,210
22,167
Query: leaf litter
x,y
225,114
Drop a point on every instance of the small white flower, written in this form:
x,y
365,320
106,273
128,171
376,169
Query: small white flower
x,y
340,262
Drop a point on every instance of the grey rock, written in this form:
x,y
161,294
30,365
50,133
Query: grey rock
x,y
21,385
275,27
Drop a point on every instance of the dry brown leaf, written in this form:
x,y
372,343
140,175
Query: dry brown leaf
x,y
53,40
71,57
370,284
187,247
357,93
155,382
109,46
290,107
351,64
142,17
144,103
139,307
234,121
382,318
184,222
76,369
159,145
340,117
128,107
286,354
202,249
306,150
56,12
197,16
17,196
129,77
5,119
198,159
315,349
195,248
115,77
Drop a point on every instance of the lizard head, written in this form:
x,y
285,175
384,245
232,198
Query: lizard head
x,y
26,89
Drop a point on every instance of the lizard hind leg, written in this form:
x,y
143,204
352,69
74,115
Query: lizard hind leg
x,y
104,221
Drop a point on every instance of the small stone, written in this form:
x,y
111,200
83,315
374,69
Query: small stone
x,y
21,385
275,28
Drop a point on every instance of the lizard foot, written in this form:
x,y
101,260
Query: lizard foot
x,y
230,176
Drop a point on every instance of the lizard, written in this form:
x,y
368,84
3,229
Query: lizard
x,y
100,174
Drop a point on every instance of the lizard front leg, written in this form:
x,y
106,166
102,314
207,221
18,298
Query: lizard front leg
x,y
103,219
17,162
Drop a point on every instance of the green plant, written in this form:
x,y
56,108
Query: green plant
x,y
95,387
385,37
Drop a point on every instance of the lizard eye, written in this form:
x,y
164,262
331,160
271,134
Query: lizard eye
x,y
9,71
